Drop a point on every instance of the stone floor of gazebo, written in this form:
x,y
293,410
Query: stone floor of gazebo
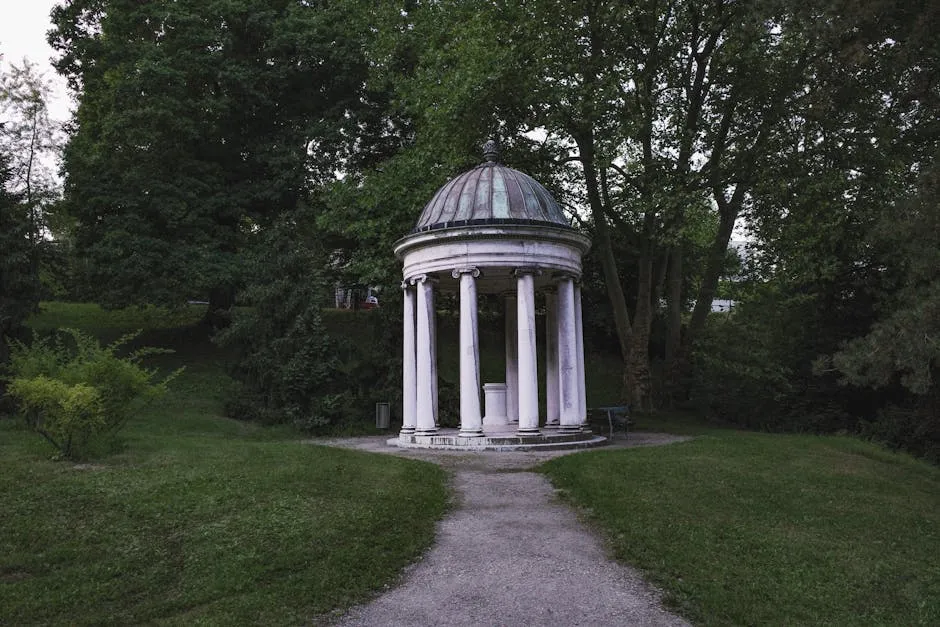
x,y
448,439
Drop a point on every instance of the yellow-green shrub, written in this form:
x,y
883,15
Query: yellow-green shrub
x,y
72,391
66,415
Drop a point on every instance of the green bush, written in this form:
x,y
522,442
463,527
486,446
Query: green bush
x,y
71,390
753,367
913,427
292,365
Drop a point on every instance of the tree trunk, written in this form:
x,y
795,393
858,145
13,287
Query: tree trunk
x,y
674,304
603,244
636,376
672,368
715,264
633,338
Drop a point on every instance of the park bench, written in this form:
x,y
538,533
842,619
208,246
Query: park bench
x,y
611,419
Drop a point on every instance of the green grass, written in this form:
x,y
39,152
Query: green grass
x,y
197,518
759,529
110,323
200,519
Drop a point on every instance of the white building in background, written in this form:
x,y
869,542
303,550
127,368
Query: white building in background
x,y
740,249
356,297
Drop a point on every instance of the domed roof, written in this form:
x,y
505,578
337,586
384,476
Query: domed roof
x,y
490,194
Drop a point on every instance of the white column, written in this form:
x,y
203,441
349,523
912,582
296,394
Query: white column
x,y
512,361
432,325
552,413
568,356
579,330
409,366
471,420
528,370
426,362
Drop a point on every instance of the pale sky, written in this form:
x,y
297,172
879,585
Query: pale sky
x,y
23,26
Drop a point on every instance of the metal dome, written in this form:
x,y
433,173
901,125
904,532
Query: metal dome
x,y
490,194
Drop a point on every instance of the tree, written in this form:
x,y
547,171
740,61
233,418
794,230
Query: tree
x,y
903,345
841,271
19,276
286,362
27,137
650,110
901,349
198,123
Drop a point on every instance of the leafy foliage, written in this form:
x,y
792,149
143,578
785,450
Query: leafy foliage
x,y
286,362
19,277
27,138
71,393
846,237
198,123
66,415
752,367
29,142
653,121
28,135
903,345
282,146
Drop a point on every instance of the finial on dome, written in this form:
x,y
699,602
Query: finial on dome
x,y
491,151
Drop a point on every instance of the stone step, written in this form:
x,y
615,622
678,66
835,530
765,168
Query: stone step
x,y
501,442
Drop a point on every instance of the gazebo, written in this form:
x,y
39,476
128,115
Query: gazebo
x,y
495,230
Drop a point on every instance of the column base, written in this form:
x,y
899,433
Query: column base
x,y
477,433
426,431
570,428
551,425
533,431
407,431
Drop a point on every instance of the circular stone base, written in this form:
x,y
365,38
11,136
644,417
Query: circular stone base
x,y
449,440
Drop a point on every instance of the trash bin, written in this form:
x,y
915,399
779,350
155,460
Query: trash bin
x,y
382,415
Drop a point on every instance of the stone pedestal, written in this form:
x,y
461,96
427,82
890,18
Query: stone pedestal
x,y
494,402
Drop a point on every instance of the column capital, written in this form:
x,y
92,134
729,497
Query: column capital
x,y
405,284
525,271
471,270
422,278
562,276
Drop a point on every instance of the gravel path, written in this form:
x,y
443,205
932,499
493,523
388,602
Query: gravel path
x,y
509,553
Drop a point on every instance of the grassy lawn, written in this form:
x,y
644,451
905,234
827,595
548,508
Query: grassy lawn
x,y
196,518
758,529
109,325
